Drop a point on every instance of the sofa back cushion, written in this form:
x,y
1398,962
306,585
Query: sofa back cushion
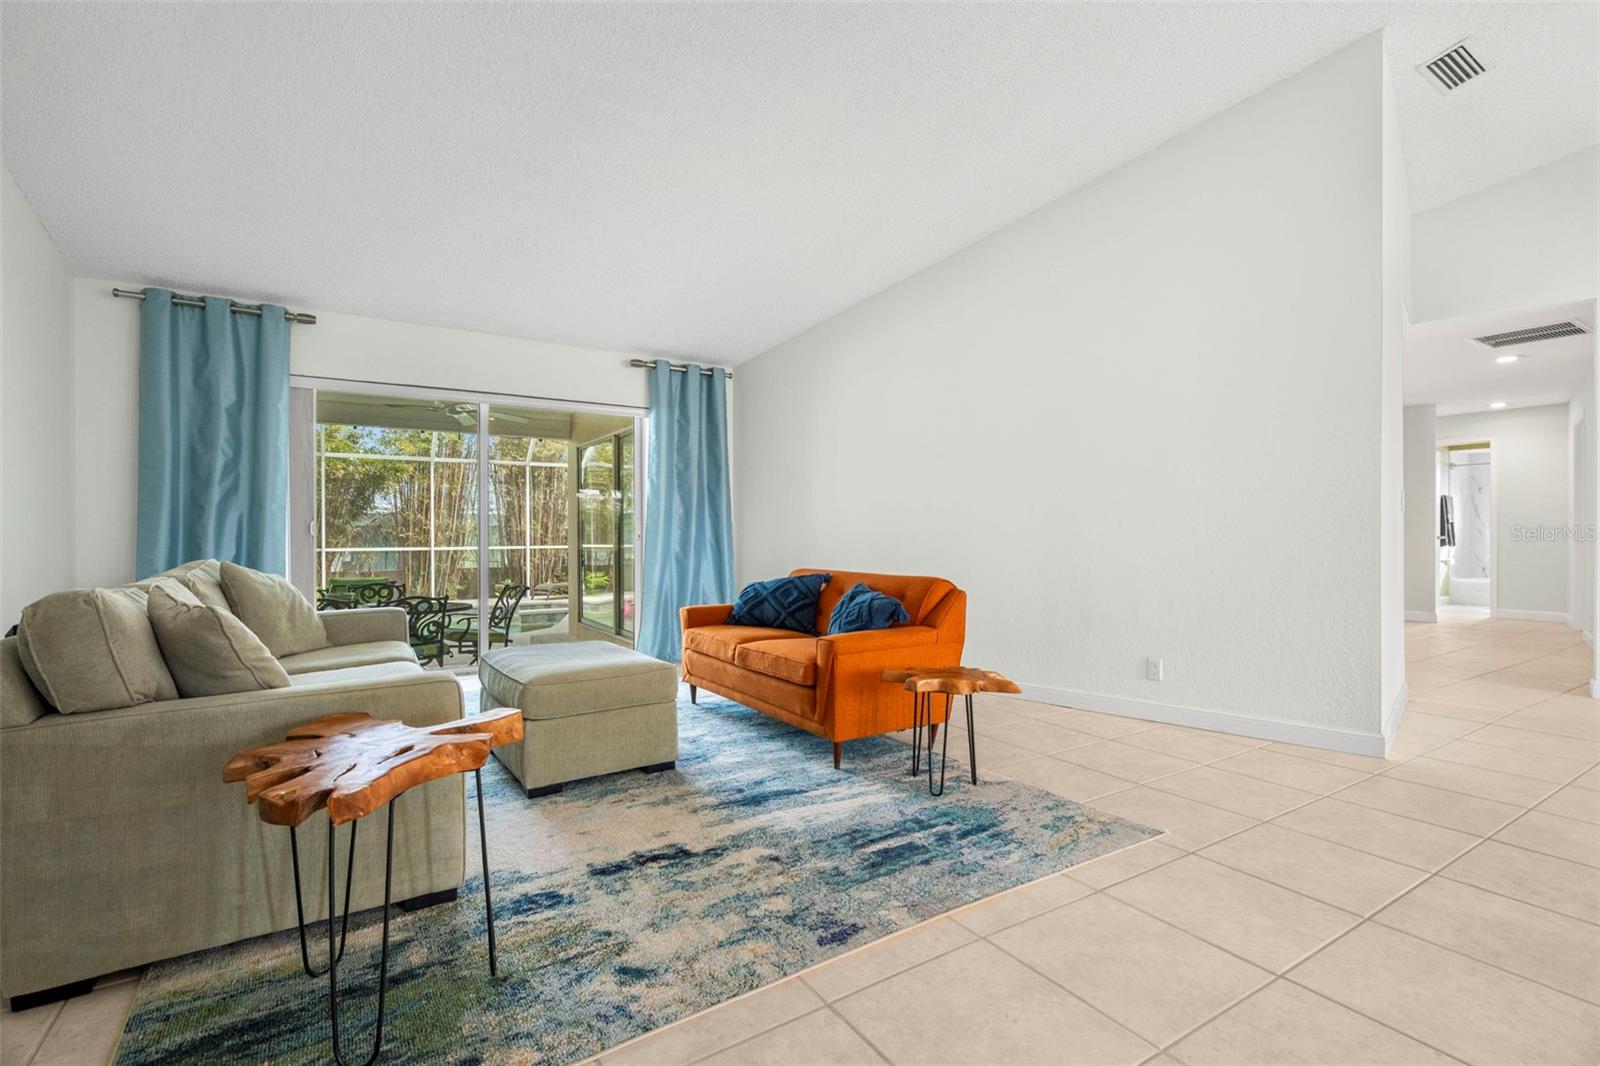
x,y
209,651
917,594
273,610
93,650
205,581
20,702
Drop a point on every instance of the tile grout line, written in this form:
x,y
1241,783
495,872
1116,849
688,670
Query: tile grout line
x,y
865,1039
49,1028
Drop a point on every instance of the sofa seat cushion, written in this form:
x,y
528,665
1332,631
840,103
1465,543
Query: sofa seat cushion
x,y
720,642
750,688
345,656
370,672
793,659
558,680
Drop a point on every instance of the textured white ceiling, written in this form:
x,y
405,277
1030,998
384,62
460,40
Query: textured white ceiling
x,y
1443,366
694,180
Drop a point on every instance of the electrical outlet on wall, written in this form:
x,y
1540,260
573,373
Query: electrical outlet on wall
x,y
1153,670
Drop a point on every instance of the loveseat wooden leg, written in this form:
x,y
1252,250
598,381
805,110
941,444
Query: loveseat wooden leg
x,y
838,753
694,694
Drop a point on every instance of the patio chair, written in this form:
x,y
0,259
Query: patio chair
x,y
383,593
464,632
425,625
335,599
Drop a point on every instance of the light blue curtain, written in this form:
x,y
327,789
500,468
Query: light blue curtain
x,y
213,435
688,523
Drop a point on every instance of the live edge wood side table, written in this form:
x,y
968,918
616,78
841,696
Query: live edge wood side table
x,y
951,681
353,764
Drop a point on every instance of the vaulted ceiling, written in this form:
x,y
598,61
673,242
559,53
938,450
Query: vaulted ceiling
x,y
695,180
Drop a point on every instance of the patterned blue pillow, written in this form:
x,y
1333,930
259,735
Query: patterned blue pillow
x,y
861,608
782,603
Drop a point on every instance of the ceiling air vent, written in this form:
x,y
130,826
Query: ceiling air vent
x,y
1453,69
1549,332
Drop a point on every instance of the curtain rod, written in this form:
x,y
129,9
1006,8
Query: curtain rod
x,y
239,309
650,364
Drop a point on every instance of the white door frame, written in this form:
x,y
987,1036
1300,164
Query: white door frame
x,y
1494,512
485,400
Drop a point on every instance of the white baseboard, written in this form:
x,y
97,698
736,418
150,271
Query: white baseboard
x,y
1312,736
1391,718
1422,616
1531,616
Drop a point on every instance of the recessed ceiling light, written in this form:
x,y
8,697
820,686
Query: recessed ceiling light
x,y
1507,358
1497,405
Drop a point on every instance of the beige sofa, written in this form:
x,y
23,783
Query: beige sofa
x,y
120,845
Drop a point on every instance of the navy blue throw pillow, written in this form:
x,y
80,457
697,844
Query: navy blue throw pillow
x,y
782,603
861,608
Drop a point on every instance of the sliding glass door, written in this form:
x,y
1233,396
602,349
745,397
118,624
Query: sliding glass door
x,y
606,526
412,494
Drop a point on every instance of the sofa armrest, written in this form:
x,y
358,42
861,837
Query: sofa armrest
x,y
123,814
850,682
706,614
365,625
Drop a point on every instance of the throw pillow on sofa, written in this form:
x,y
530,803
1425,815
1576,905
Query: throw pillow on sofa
x,y
782,603
209,651
273,610
862,608
93,650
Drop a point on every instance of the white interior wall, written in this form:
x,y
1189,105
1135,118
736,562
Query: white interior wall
x,y
1581,500
1422,512
1391,497
1521,243
339,346
1075,420
36,426
1530,471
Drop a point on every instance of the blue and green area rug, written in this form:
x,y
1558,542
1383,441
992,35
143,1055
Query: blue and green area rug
x,y
630,901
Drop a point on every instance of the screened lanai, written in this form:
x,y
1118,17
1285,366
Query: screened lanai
x,y
398,519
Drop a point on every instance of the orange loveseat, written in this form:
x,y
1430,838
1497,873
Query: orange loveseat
x,y
828,685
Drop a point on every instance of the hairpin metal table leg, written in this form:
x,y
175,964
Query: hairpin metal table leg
x,y
972,742
483,839
299,908
917,703
944,752
383,956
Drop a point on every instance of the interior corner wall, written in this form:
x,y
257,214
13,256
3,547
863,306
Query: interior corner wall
x,y
1422,511
38,416
1143,421
340,346
1529,478
1581,491
1391,498
1524,242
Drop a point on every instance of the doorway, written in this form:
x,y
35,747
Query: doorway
x,y
1466,527
474,515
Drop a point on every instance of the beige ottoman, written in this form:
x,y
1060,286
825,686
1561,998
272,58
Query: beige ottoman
x,y
589,707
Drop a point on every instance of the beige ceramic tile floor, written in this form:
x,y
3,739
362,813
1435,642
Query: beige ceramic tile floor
x,y
1304,906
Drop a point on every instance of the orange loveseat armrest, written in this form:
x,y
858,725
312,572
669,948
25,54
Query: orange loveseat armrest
x,y
851,695
705,614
